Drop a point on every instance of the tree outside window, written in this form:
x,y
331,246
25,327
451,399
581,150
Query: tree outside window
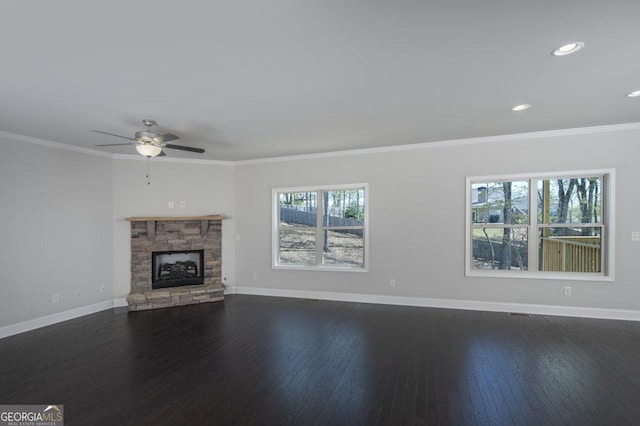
x,y
320,228
538,224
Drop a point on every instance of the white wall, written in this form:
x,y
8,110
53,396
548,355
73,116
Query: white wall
x,y
205,186
55,230
417,213
416,221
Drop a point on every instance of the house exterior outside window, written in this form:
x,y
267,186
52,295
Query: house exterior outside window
x,y
551,225
321,228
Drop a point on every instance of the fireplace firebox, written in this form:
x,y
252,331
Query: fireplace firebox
x,y
177,268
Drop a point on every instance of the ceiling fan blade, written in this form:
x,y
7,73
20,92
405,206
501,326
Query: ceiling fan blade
x,y
114,144
111,134
184,148
167,137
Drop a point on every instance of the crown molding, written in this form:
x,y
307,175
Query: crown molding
x,y
332,154
167,159
450,143
50,144
57,145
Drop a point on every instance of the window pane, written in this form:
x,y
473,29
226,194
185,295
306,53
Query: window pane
x,y
297,247
570,249
298,209
343,207
344,248
321,228
500,202
576,200
499,248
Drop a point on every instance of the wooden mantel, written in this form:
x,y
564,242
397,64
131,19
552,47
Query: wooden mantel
x,y
151,221
176,218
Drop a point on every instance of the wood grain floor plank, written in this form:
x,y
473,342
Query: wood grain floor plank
x,y
274,361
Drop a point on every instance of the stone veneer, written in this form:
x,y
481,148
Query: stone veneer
x,y
148,236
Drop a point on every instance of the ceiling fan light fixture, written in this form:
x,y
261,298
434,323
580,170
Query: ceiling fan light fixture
x,y
568,48
634,94
146,136
149,143
521,107
148,150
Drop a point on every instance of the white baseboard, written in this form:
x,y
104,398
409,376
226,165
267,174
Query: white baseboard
x,y
29,325
474,305
120,303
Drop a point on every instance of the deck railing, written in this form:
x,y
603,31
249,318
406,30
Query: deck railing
x,y
571,254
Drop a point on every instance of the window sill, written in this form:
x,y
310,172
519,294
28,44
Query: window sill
x,y
319,268
541,276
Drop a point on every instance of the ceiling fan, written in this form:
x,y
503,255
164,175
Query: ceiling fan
x,y
149,143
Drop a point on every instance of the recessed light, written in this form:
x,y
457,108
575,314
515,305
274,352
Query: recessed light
x,y
634,94
521,107
568,48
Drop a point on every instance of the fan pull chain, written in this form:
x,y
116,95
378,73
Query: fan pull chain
x,y
147,171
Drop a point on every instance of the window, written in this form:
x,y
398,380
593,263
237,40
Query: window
x,y
541,226
320,228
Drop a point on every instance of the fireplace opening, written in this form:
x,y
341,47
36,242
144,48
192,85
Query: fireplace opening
x,y
177,268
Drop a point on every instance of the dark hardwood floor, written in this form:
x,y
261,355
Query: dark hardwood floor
x,y
263,360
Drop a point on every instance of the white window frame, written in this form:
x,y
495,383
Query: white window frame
x,y
275,235
607,223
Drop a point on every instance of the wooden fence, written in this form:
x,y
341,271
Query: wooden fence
x,y
571,254
492,252
309,219
565,254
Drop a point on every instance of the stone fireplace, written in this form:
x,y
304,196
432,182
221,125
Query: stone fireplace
x,y
175,261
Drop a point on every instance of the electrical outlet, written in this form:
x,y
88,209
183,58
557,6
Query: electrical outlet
x,y
568,291
103,288
56,298
635,236
78,293
183,204
254,276
392,283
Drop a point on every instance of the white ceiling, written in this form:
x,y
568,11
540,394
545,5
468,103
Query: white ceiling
x,y
250,79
